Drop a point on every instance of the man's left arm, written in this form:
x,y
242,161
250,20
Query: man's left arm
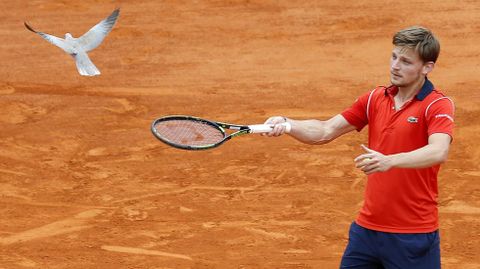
x,y
435,152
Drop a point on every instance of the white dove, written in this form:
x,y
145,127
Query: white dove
x,y
78,47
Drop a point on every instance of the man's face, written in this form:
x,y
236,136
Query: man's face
x,y
406,67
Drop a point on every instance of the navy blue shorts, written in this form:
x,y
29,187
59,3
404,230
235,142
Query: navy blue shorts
x,y
368,249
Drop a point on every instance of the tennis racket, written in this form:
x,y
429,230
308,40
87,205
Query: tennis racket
x,y
192,133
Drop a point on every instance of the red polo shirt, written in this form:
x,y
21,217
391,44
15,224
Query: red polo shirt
x,y
401,200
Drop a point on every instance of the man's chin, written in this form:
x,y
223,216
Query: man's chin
x,y
396,82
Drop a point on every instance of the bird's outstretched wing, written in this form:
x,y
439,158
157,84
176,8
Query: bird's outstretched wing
x,y
94,37
59,42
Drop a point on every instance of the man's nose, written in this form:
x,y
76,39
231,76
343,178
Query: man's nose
x,y
394,64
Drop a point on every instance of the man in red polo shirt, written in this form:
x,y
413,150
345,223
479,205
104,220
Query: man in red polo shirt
x,y
409,135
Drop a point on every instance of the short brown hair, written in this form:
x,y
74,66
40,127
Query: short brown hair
x,y
421,39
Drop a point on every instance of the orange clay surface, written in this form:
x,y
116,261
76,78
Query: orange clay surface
x,y
84,184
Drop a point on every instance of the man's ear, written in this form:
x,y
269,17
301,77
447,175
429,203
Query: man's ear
x,y
428,67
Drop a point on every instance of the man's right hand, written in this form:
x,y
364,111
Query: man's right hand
x,y
278,128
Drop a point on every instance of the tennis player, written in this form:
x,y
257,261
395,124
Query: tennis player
x,y
409,135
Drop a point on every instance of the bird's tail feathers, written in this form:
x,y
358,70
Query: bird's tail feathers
x,y
85,66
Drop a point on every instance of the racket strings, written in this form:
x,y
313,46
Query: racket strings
x,y
189,133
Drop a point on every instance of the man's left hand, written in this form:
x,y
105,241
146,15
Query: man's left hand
x,y
372,161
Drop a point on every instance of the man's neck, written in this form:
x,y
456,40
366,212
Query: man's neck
x,y
408,92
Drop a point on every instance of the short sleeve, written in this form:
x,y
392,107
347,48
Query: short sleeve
x,y
440,116
356,114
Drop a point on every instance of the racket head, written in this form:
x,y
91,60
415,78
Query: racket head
x,y
187,132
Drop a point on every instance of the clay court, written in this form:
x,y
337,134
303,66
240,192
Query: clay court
x,y
84,184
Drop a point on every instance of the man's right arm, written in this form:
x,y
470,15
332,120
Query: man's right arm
x,y
314,132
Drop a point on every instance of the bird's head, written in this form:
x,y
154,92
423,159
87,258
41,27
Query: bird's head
x,y
68,36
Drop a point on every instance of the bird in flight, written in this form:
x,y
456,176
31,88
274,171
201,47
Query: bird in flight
x,y
78,47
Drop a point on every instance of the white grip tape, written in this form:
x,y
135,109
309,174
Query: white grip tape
x,y
265,128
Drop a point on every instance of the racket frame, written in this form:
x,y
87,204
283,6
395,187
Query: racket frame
x,y
221,126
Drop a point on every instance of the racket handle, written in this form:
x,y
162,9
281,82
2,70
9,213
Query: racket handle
x,y
265,128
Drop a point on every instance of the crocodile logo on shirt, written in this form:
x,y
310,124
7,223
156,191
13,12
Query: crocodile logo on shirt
x,y
412,119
